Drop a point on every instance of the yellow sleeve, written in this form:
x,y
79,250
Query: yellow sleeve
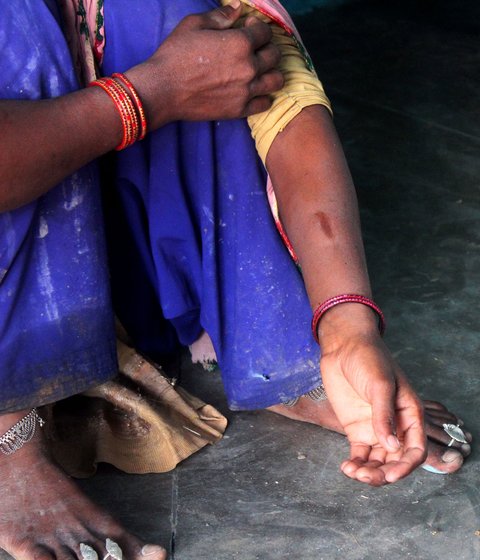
x,y
302,88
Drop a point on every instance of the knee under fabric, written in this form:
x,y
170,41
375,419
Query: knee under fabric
x,y
302,87
212,258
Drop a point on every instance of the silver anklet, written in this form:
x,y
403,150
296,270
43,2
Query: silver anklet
x,y
317,394
22,432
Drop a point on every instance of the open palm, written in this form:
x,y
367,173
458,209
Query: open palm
x,y
379,411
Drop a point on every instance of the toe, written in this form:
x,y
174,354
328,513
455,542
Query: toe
x,y
33,552
131,547
434,406
439,435
41,553
153,552
442,460
437,413
440,418
136,550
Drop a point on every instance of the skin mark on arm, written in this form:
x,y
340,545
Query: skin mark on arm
x,y
325,224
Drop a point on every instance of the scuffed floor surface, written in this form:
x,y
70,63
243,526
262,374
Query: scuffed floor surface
x,y
404,81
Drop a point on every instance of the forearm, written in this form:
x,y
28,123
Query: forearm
x,y
319,212
44,141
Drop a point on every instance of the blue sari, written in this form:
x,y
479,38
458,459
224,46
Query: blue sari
x,y
56,323
192,244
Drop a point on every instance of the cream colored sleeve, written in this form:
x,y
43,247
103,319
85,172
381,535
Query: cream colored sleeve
x,y
302,88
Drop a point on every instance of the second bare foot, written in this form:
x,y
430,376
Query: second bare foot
x,y
44,516
441,459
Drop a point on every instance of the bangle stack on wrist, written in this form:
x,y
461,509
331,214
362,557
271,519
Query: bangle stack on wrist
x,y
321,309
129,107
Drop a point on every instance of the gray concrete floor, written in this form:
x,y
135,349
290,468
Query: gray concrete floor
x,y
404,80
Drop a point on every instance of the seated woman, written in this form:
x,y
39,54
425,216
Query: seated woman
x,y
192,242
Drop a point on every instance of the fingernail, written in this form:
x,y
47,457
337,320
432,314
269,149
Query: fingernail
x,y
393,442
450,456
433,470
150,549
366,479
235,4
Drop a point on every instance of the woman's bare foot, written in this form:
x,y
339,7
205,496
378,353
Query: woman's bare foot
x,y
441,459
44,516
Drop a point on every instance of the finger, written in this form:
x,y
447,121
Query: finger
x,y
258,33
251,20
377,454
267,83
267,58
220,18
366,465
257,105
383,415
359,453
409,461
369,472
414,453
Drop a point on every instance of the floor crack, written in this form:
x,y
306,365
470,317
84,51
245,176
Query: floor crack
x,y
174,515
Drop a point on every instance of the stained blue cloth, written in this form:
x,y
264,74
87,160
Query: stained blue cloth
x,y
193,243
56,323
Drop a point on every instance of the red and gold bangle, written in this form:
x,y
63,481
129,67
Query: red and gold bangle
x,y
125,107
320,310
129,108
138,103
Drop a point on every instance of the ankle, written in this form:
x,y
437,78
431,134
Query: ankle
x,y
11,418
20,436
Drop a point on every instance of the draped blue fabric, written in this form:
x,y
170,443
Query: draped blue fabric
x,y
56,326
193,243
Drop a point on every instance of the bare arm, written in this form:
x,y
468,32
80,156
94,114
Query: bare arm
x,y
190,77
44,141
318,205
367,390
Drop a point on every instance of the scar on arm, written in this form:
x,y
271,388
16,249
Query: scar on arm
x,y
325,225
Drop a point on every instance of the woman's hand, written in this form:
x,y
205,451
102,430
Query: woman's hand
x,y
207,70
379,411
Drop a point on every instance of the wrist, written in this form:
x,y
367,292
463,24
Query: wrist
x,y
345,322
143,78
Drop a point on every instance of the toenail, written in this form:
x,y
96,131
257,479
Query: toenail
x,y
450,456
150,549
433,470
466,448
